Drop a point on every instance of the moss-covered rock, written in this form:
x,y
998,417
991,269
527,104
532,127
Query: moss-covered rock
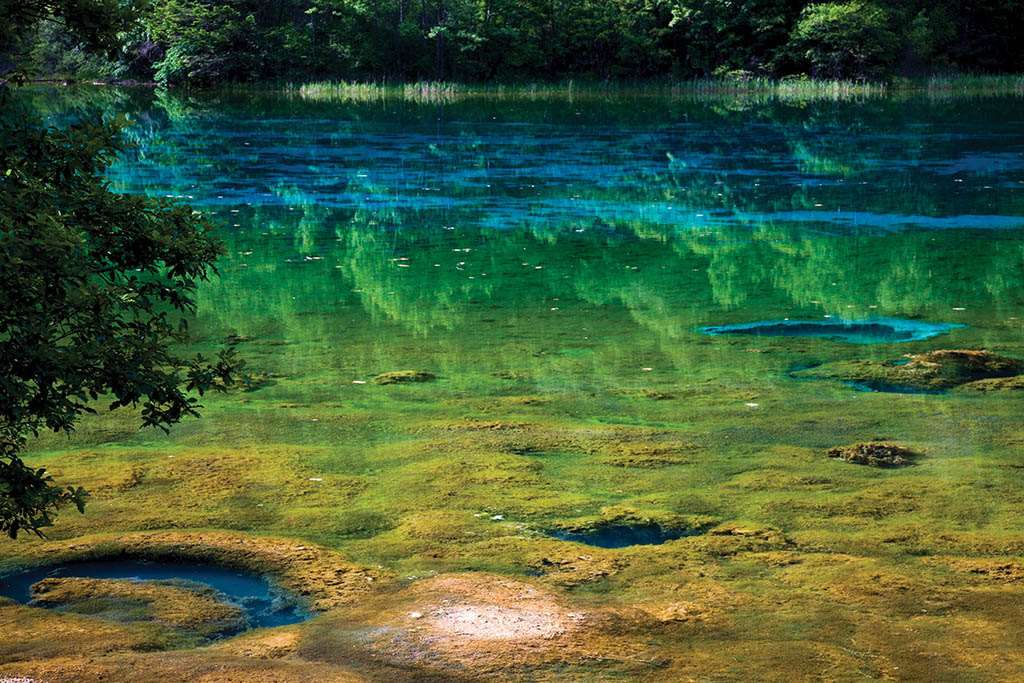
x,y
873,454
403,377
933,371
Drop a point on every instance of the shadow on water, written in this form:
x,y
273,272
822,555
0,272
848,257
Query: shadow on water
x,y
265,604
871,331
623,535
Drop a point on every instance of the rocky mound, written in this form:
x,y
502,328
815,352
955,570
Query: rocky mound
x,y
934,371
873,454
403,377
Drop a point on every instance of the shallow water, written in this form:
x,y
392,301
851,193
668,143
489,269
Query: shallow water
x,y
552,262
265,605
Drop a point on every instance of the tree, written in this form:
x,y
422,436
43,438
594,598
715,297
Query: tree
x,y
845,40
733,36
95,286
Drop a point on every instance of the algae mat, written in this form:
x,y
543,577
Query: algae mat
x,y
474,324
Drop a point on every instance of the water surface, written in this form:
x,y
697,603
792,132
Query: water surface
x,y
552,262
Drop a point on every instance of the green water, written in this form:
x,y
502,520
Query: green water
x,y
551,262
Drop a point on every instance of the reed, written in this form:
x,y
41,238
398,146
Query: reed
x,y
440,92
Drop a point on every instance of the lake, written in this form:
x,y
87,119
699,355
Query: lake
x,y
552,264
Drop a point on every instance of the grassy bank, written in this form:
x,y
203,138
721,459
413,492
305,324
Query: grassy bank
x,y
760,88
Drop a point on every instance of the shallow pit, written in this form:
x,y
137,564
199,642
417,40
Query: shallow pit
x,y
264,604
870,331
622,535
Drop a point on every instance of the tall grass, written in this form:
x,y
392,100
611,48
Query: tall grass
x,y
439,92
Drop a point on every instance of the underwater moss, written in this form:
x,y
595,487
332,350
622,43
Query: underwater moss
x,y
932,371
403,377
180,605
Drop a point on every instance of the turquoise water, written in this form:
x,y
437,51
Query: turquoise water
x,y
264,604
671,215
867,331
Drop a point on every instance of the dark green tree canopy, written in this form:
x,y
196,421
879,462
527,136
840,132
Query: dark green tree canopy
x,y
95,287
207,42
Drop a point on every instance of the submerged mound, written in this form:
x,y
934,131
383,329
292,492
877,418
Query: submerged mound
x,y
403,377
179,605
459,610
936,371
873,454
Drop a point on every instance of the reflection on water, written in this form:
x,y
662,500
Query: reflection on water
x,y
588,238
494,222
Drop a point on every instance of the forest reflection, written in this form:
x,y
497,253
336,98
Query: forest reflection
x,y
675,213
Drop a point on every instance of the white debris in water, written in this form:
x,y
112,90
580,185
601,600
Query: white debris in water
x,y
316,478
358,381
752,405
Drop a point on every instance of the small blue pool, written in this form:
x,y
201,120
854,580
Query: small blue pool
x,y
879,386
623,535
870,331
264,603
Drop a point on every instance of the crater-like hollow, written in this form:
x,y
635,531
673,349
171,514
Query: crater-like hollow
x,y
870,331
264,604
622,535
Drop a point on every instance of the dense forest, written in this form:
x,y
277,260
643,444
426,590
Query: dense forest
x,y
202,42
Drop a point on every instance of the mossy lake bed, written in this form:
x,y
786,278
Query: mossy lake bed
x,y
476,336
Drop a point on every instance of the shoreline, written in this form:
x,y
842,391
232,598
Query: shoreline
x,y
706,88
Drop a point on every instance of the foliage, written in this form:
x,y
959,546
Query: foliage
x,y
745,36
205,42
95,288
845,40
